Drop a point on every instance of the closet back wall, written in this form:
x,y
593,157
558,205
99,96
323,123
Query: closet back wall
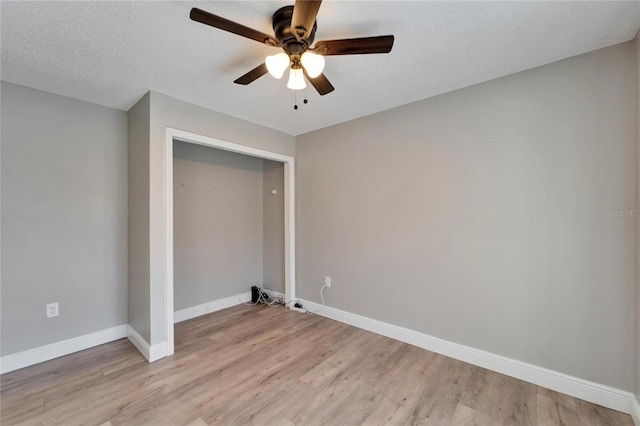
x,y
217,224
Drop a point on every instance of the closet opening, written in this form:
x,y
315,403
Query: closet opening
x,y
230,225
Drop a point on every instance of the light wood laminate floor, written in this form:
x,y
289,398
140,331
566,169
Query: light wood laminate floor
x,y
261,365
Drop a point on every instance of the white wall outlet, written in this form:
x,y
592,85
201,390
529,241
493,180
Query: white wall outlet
x,y
327,281
52,310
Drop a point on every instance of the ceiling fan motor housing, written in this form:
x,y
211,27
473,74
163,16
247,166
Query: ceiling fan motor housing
x,y
282,30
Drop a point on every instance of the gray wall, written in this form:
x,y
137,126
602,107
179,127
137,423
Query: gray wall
x,y
171,112
637,357
64,217
479,216
138,164
273,226
217,224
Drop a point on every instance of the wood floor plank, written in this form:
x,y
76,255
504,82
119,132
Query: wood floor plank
x,y
401,390
21,410
595,415
442,394
517,402
332,365
122,360
196,395
560,398
93,408
465,416
197,422
336,387
556,409
360,396
293,358
255,365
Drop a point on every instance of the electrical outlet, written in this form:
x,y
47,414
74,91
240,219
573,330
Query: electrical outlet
x,y
327,281
52,310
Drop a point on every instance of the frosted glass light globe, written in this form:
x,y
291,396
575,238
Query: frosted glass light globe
x,y
277,64
312,63
296,79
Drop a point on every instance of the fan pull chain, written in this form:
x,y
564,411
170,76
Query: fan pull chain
x,y
295,98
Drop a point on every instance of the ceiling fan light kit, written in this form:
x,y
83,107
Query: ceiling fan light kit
x,y
294,32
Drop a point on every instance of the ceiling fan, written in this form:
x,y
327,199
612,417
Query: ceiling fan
x,y
294,31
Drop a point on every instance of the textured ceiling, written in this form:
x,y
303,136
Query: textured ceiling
x,y
112,53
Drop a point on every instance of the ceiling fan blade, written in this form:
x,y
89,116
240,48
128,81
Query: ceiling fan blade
x,y
304,16
207,18
355,46
321,83
252,75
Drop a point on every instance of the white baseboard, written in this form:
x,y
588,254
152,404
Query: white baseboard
x,y
635,410
151,353
158,351
213,306
583,389
58,349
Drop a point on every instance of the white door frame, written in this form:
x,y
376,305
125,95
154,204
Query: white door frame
x,y
172,134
